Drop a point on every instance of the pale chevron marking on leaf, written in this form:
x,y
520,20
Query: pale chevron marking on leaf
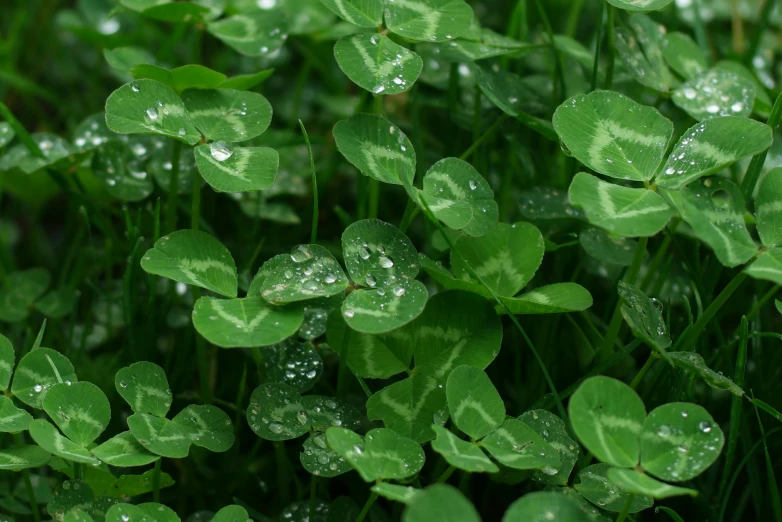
x,y
5,365
608,206
607,131
430,16
660,489
612,494
202,265
449,335
409,412
32,374
501,264
230,116
72,414
456,190
766,270
343,12
476,407
769,208
368,346
11,460
445,366
250,326
7,420
397,407
537,297
149,391
241,162
612,421
709,151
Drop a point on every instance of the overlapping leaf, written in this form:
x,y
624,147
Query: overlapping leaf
x,y
377,147
308,272
149,107
435,20
679,441
715,93
608,417
639,45
625,211
613,135
594,485
710,146
227,114
253,33
714,208
460,197
194,258
237,169
380,454
376,63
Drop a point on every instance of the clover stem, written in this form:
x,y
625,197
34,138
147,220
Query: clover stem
x,y
446,474
486,135
195,208
202,359
598,42
756,164
78,471
282,471
700,30
609,79
642,372
28,483
365,510
342,376
660,255
762,301
559,77
763,19
626,509
313,495
616,318
173,187
686,341
156,481
314,230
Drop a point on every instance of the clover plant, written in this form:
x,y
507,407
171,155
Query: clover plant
x,y
390,260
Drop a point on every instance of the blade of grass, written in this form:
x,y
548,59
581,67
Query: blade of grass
x,y
314,230
762,25
610,36
776,505
598,44
736,404
735,476
173,187
686,342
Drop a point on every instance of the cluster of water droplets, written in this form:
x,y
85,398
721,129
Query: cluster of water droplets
x,y
683,158
716,93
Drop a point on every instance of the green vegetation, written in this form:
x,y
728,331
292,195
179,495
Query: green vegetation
x,y
390,260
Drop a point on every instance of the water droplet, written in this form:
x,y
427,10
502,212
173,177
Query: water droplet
x,y
123,384
385,262
276,427
704,426
399,292
371,282
473,184
664,430
152,113
349,313
302,417
300,254
38,388
134,88
182,132
220,150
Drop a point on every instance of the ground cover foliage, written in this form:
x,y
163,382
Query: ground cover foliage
x,y
380,260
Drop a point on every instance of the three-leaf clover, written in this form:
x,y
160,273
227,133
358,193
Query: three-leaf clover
x,y
144,387
675,442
